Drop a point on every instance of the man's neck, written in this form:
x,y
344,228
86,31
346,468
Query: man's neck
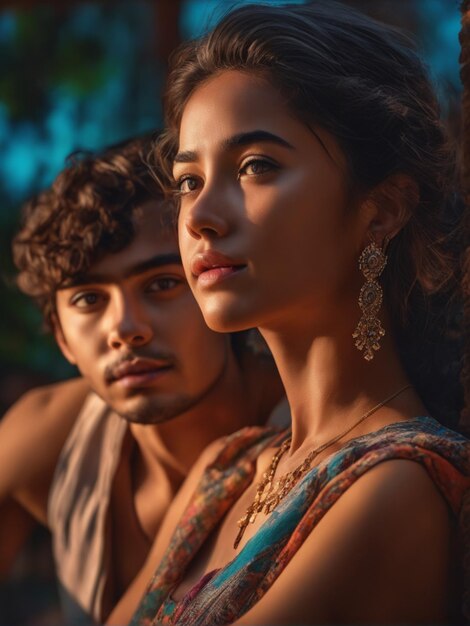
x,y
245,395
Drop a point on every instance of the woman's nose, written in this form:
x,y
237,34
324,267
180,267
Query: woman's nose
x,y
207,217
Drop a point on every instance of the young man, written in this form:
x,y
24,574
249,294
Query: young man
x,y
99,254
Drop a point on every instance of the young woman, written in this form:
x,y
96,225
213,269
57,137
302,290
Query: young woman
x,y
313,175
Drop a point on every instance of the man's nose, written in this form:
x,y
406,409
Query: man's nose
x,y
130,325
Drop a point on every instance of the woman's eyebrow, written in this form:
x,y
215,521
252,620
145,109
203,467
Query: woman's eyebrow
x,y
240,139
255,136
187,156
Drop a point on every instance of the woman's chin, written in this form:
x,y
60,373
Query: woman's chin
x,y
223,319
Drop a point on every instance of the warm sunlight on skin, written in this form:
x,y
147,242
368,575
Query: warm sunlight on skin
x,y
267,201
263,190
270,237
99,459
137,303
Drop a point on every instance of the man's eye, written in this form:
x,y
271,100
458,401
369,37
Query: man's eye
x,y
84,300
186,184
255,167
163,284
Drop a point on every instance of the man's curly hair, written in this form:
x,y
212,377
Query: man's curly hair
x,y
85,214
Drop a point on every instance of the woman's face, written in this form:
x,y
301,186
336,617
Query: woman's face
x,y
266,231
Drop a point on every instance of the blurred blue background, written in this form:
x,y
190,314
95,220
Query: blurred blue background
x,y
83,75
88,75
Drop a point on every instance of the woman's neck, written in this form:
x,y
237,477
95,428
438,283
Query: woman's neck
x,y
328,382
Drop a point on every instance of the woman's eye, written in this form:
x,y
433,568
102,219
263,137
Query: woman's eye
x,y
163,284
255,167
186,184
84,300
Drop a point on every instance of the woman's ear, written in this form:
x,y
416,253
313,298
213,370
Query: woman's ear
x,y
394,200
61,340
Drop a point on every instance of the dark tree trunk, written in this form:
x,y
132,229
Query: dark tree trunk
x,y
465,181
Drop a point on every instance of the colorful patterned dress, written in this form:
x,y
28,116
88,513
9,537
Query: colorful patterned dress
x,y
224,595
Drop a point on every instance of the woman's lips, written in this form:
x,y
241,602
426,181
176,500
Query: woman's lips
x,y
217,274
211,267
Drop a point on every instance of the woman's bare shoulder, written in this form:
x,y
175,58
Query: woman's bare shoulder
x,y
380,554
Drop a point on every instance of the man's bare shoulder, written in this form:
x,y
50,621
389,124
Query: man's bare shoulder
x,y
51,399
32,434
125,608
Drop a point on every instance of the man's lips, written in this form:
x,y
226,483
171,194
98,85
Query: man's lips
x,y
138,372
211,267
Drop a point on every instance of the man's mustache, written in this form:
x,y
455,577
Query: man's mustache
x,y
131,357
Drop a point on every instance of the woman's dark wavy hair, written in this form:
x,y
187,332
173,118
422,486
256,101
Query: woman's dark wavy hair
x,y
85,214
364,83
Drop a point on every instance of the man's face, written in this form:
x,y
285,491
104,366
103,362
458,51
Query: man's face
x,y
135,332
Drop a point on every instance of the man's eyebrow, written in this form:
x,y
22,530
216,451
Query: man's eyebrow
x,y
160,260
240,139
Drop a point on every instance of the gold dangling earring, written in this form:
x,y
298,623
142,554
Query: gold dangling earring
x,y
369,331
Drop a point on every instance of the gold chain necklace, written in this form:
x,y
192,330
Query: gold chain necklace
x,y
269,494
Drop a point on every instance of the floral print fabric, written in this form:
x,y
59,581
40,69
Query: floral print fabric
x,y
223,595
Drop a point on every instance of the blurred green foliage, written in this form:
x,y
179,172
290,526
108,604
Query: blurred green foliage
x,y
85,75
80,77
